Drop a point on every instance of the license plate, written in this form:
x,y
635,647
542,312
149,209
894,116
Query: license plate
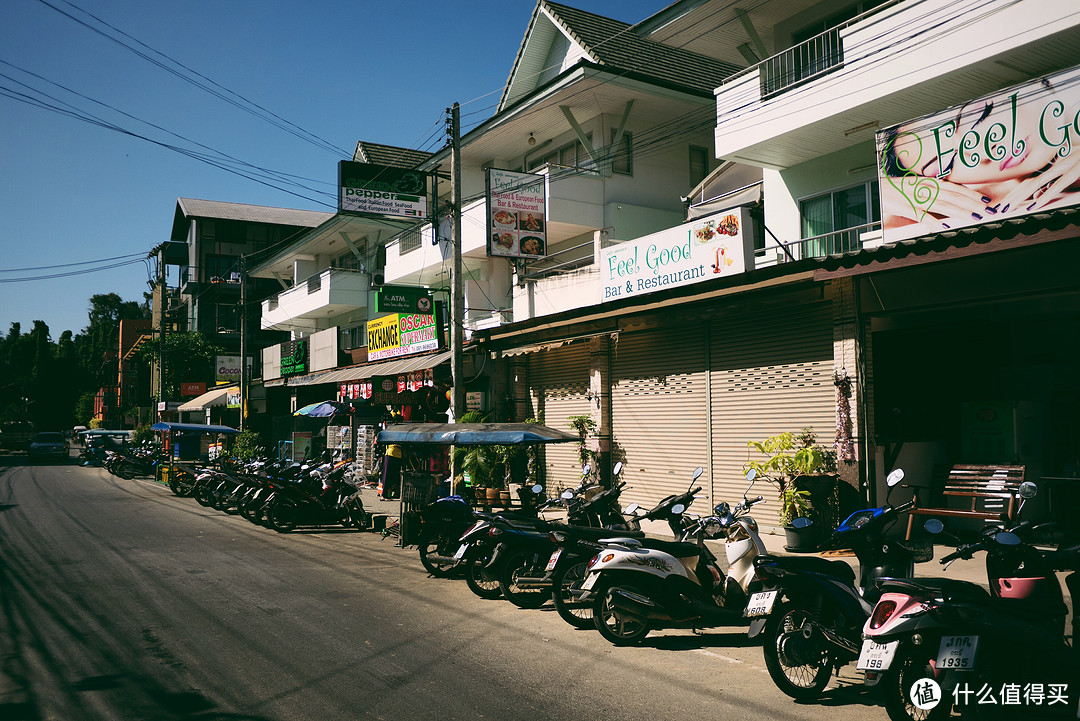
x,y
876,656
461,551
957,652
554,559
760,604
590,582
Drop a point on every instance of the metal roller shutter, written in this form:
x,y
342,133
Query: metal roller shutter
x,y
771,372
659,412
558,381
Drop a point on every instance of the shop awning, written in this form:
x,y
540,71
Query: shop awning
x,y
370,370
192,428
210,399
474,434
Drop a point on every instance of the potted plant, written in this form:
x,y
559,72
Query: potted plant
x,y
800,469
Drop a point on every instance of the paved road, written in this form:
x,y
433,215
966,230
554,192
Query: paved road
x,y
120,601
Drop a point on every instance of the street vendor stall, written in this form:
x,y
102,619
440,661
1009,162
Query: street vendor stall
x,y
418,486
187,444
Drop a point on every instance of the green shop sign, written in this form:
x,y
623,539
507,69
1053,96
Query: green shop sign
x,y
294,358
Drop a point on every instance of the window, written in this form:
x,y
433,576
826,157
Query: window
x,y
699,164
347,261
622,159
840,210
572,155
228,318
219,268
355,337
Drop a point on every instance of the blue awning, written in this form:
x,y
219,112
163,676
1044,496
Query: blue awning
x,y
192,428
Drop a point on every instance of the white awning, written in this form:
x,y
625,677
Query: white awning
x,y
215,397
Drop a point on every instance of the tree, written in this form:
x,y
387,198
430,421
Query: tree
x,y
188,357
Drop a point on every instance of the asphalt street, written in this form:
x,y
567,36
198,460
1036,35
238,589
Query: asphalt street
x,y
119,600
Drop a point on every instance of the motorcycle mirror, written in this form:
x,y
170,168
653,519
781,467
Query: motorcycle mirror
x,y
1028,490
586,469
677,509
801,522
1007,538
617,469
895,477
933,525
537,489
751,474
567,495
697,472
631,509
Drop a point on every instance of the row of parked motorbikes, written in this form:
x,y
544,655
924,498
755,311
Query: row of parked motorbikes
x,y
127,462
280,494
813,615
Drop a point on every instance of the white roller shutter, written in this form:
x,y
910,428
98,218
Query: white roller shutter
x,y
659,412
770,372
558,381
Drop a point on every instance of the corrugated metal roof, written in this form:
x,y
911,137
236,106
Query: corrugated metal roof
x,y
194,208
390,155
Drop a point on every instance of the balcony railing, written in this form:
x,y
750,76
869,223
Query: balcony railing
x,y
562,261
802,63
819,246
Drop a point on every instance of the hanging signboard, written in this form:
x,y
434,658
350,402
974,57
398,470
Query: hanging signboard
x,y
227,369
400,334
381,190
706,248
403,299
192,389
294,358
998,157
516,205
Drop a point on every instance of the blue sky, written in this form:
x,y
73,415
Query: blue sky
x,y
73,192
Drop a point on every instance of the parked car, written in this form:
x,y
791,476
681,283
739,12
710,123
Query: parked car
x,y
48,445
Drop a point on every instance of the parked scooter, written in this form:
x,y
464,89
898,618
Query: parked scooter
x,y
816,627
969,642
676,584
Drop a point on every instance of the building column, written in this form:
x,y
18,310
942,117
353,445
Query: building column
x,y
600,403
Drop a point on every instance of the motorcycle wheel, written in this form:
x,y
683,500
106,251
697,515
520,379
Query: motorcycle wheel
x,y
618,628
518,564
576,613
436,554
282,517
479,579
357,516
126,471
181,484
798,666
910,664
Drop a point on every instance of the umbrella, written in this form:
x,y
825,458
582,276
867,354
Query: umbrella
x,y
324,409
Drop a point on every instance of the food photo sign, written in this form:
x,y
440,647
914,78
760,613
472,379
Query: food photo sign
x,y
516,206
706,248
999,156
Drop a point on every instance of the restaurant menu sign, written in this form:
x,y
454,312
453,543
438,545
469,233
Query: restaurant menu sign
x,y
1000,156
401,334
381,190
516,206
706,248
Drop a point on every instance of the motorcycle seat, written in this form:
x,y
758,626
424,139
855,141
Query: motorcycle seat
x,y
678,549
824,566
594,534
942,587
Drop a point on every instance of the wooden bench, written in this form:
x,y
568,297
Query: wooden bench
x,y
995,486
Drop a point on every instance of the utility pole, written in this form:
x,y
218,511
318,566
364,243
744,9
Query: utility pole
x,y
164,295
457,291
243,341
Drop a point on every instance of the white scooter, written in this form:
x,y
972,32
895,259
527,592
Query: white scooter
x,y
677,584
